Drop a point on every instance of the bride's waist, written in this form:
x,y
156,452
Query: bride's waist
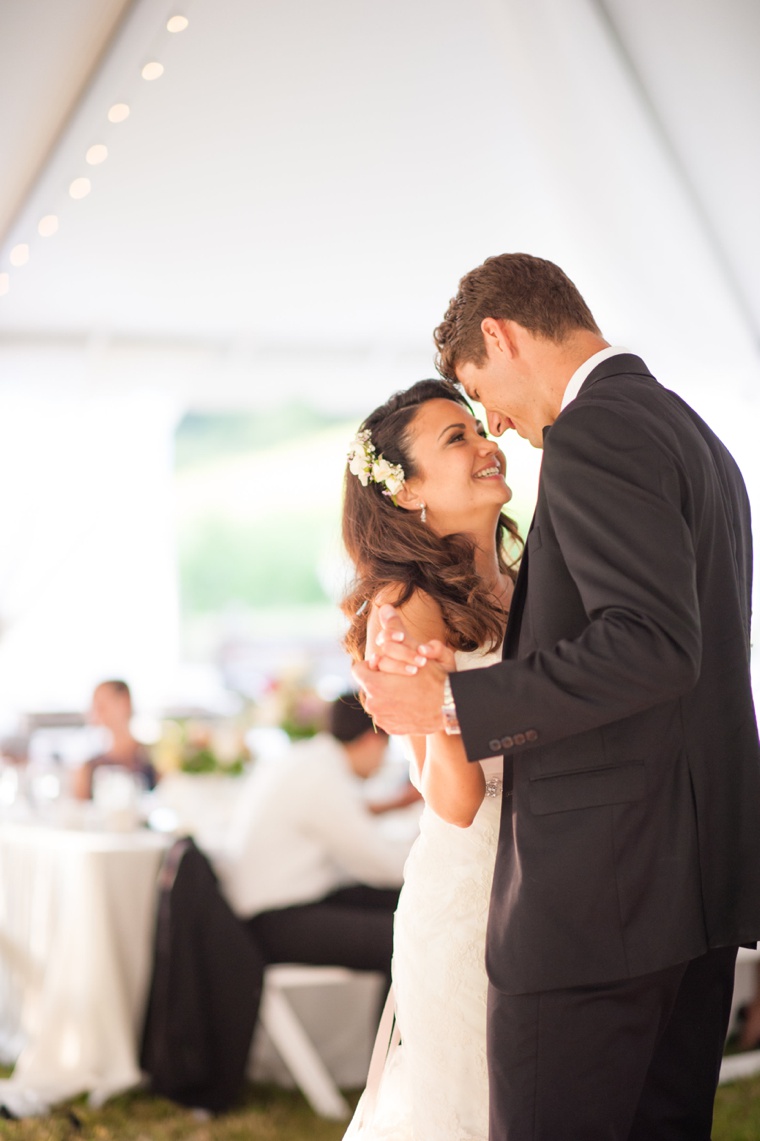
x,y
486,822
443,852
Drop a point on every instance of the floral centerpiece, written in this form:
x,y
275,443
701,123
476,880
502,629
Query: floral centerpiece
x,y
291,702
193,745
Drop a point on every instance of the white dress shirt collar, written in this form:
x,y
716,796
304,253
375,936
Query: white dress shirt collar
x,y
576,380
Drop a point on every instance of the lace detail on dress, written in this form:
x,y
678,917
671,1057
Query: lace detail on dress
x,y
435,1083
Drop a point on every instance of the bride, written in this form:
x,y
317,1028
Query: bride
x,y
422,523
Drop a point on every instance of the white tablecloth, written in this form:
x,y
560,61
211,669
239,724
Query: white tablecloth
x,y
77,913
76,931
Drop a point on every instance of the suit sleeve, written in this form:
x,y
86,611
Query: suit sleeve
x,y
615,504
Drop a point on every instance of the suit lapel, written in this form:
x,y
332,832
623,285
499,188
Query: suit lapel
x,y
517,604
619,364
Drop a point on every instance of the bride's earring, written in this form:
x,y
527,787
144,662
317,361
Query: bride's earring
x,y
423,513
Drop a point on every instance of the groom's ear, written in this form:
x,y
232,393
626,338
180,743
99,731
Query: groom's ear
x,y
499,338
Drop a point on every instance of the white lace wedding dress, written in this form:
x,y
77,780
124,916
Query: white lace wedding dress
x,y
434,1085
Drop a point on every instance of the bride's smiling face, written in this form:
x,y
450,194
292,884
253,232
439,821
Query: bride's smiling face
x,y
460,472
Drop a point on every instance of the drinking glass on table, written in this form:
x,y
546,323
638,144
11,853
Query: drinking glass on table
x,y
9,787
115,793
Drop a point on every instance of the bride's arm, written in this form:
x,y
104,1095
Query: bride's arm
x,y
453,787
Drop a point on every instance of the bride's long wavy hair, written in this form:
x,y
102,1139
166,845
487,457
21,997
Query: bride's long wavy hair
x,y
392,547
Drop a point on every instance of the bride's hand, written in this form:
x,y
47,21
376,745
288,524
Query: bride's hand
x,y
435,651
409,703
398,652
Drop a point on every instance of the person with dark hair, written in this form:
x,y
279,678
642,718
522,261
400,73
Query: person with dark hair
x,y
112,709
347,719
628,866
424,527
307,865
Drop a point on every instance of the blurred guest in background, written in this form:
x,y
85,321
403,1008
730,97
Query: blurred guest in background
x,y
314,873
112,709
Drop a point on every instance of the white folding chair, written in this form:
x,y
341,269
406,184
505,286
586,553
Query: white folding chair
x,y
290,1039
747,1063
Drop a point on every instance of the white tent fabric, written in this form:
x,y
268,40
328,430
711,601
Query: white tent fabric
x,y
313,179
288,208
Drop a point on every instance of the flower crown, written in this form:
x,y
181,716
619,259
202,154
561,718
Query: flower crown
x,y
368,467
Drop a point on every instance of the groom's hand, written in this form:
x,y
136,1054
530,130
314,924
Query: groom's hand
x,y
403,681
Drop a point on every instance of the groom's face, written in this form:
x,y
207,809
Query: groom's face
x,y
508,394
513,381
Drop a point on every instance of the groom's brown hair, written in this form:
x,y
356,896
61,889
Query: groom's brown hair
x,y
513,287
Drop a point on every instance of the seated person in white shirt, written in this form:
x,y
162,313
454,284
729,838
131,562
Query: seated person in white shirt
x,y
313,872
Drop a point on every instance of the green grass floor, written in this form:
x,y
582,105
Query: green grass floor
x,y
270,1114
265,1113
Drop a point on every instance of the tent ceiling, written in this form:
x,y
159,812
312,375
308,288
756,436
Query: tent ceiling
x,y
47,54
290,205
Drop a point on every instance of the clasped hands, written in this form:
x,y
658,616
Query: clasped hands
x,y
403,679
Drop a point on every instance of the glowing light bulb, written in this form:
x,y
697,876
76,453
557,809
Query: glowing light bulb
x,y
5,283
152,70
47,226
177,24
19,255
118,113
97,154
80,188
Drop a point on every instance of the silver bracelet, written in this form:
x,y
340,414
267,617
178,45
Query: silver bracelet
x,y
449,710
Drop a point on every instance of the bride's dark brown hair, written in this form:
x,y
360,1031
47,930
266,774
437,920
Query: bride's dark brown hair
x,y
392,547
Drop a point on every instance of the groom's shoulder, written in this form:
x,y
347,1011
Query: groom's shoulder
x,y
623,411
630,409
619,379
626,387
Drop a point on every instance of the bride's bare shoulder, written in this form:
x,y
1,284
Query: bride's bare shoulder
x,y
421,615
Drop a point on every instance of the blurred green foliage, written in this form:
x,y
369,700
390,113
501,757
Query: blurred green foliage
x,y
204,437
222,562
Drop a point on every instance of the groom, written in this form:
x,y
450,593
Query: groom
x,y
628,869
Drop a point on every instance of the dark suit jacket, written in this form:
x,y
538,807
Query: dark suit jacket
x,y
208,975
632,839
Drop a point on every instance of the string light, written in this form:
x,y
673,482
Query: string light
x,y
97,154
80,188
118,113
47,226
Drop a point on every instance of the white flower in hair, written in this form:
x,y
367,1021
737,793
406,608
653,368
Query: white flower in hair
x,y
361,455
392,475
368,467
